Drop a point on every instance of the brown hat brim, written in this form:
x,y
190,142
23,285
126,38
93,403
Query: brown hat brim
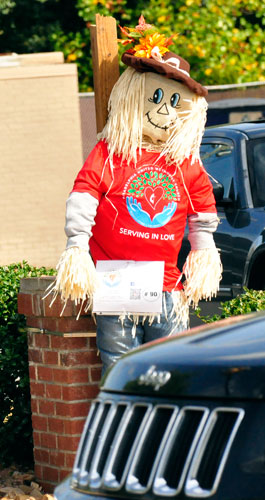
x,y
144,64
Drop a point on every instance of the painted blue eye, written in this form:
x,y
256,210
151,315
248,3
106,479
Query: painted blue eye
x,y
174,100
158,96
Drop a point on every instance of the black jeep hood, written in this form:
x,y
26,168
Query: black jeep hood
x,y
225,359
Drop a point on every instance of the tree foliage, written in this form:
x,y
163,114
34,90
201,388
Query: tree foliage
x,y
222,39
28,25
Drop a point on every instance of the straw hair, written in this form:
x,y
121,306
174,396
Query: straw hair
x,y
123,130
179,315
203,271
186,134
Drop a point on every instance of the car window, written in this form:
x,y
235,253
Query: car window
x,y
256,155
218,160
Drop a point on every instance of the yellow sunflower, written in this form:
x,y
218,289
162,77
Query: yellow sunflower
x,y
146,45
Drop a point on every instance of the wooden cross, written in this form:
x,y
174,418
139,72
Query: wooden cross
x,y
105,64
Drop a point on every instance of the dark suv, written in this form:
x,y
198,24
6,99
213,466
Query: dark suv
x,y
182,417
235,156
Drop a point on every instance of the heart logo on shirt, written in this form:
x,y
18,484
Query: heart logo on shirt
x,y
153,195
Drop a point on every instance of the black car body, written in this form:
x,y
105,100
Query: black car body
x,y
182,417
234,155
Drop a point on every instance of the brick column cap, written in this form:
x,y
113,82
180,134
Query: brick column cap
x,y
36,284
47,315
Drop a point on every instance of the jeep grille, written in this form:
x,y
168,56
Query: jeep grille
x,y
141,447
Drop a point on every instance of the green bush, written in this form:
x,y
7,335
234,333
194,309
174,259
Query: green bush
x,y
247,302
15,414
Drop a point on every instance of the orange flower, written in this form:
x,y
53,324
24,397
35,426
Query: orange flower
x,y
147,44
145,40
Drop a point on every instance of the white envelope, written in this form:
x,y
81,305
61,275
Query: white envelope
x,y
128,286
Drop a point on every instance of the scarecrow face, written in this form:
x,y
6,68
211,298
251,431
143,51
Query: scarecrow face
x,y
164,104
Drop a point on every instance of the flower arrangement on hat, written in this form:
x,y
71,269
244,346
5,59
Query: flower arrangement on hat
x,y
144,40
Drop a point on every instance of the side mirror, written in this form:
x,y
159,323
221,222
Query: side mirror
x,y
218,190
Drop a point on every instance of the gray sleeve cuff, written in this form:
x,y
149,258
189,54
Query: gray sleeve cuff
x,y
81,241
81,209
201,229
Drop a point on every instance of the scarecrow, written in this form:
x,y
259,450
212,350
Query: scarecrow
x,y
137,189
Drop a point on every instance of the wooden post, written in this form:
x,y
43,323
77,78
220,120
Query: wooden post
x,y
105,64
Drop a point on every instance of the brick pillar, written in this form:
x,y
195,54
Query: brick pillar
x,y
64,369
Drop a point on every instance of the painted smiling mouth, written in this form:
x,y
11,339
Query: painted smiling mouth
x,y
155,124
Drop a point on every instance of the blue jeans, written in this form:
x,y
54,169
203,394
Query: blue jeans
x,y
116,337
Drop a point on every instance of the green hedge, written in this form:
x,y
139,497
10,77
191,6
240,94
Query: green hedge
x,y
15,414
247,302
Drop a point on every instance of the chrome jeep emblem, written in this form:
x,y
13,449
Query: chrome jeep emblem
x,y
154,378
